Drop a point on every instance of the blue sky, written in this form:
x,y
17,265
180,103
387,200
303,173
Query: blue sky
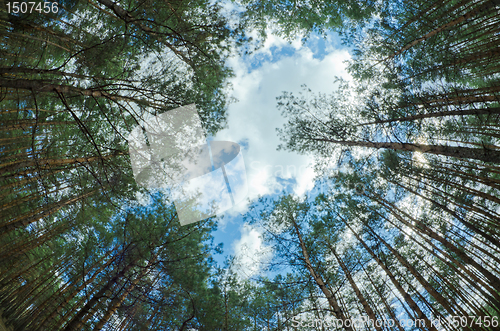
x,y
252,121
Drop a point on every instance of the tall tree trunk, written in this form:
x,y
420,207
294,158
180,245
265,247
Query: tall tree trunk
x,y
78,289
431,250
384,301
422,228
393,279
42,212
78,320
428,287
40,86
444,113
117,302
48,163
468,224
484,8
361,297
319,280
482,154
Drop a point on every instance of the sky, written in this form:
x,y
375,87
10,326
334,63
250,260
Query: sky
x,y
252,121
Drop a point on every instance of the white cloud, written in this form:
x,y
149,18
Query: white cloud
x,y
273,40
254,118
250,252
305,181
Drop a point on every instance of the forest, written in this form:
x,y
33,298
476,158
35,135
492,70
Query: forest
x,y
404,233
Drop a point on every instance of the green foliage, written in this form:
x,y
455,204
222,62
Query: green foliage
x,y
289,18
407,155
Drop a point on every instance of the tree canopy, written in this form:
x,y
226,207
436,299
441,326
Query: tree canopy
x,y
405,229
